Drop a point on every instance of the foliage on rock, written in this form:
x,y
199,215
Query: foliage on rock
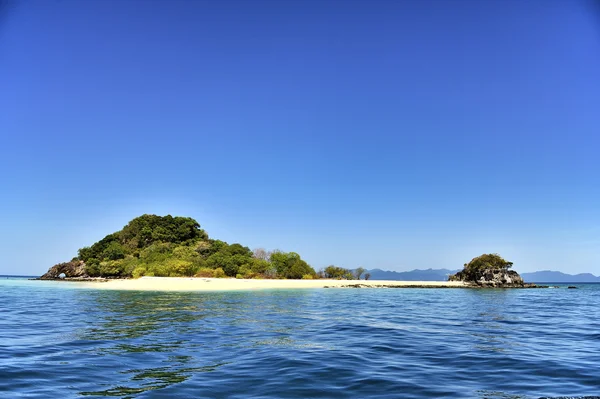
x,y
489,270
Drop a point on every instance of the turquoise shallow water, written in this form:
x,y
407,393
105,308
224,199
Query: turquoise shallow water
x,y
60,341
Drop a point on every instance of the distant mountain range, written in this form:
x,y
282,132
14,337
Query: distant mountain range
x,y
545,276
548,276
413,275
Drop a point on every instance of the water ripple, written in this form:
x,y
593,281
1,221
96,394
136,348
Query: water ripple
x,y
58,341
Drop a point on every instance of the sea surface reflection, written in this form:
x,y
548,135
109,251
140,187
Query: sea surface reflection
x,y
330,343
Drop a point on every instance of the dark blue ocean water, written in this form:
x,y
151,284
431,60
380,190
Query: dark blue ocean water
x,y
60,341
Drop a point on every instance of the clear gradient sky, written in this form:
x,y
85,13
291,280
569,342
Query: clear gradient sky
x,y
383,134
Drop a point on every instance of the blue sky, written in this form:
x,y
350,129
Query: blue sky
x,y
397,135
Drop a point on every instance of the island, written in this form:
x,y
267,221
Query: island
x,y
490,271
167,246
174,253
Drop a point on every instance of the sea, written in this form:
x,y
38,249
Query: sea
x,y
59,340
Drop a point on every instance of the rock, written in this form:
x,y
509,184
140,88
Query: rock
x,y
492,278
72,269
572,287
490,270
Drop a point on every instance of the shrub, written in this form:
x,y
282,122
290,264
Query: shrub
x,y
289,265
139,272
298,269
205,272
158,252
260,266
229,263
178,267
358,272
339,273
113,251
112,268
218,273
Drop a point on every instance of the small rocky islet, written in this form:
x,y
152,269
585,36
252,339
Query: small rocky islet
x,y
491,271
484,271
74,270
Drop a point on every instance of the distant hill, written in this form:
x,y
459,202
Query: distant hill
x,y
545,276
548,276
413,275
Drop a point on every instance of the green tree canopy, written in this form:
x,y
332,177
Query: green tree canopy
x,y
147,229
359,272
488,261
290,265
339,273
152,245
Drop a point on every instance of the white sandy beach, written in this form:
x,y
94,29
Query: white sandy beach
x,y
231,284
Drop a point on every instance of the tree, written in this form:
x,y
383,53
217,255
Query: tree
x,y
155,253
298,269
488,261
229,263
261,253
97,249
208,247
290,265
358,272
338,273
223,261
188,254
367,276
85,253
262,267
147,229
179,267
113,251
239,249
112,268
282,261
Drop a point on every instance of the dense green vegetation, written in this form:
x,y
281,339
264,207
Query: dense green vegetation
x,y
339,273
488,261
153,245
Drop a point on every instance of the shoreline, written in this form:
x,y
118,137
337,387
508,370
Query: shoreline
x,y
233,284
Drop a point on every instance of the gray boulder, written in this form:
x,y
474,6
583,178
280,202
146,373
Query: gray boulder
x,y
72,269
492,278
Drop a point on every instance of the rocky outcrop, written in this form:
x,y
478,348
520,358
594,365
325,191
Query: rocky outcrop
x,y
492,277
72,269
